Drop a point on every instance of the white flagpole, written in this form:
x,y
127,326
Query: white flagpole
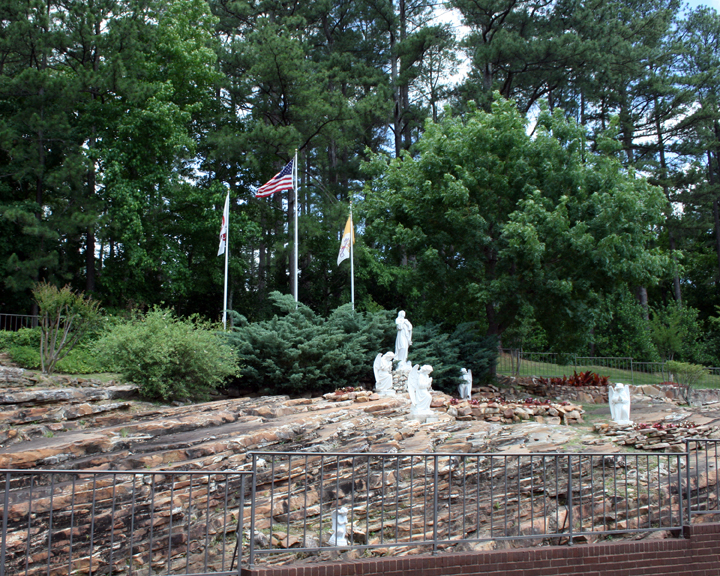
x,y
227,250
352,263
295,255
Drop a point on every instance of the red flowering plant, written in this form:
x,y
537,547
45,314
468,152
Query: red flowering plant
x,y
578,380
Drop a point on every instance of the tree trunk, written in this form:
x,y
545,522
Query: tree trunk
x,y
716,208
642,297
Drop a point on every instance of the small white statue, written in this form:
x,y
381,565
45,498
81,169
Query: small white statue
x,y
465,388
403,340
339,527
619,399
420,388
383,374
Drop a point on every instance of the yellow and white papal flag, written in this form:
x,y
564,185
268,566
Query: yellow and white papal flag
x,y
348,235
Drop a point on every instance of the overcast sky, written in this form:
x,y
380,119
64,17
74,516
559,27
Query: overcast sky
x,y
711,3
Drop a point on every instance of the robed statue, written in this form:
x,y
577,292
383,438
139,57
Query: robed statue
x,y
420,389
404,337
383,374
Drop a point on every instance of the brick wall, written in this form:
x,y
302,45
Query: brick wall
x,y
696,554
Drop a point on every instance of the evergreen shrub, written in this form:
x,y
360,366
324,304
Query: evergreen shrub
x,y
298,351
169,358
447,353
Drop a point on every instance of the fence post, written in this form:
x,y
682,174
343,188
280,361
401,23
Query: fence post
x,y
6,503
632,371
241,524
687,480
251,558
436,515
570,501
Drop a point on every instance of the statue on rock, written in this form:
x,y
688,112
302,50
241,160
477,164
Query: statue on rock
x,y
465,388
619,399
420,389
339,527
383,374
403,340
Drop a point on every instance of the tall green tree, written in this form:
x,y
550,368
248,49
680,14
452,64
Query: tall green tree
x,y
488,220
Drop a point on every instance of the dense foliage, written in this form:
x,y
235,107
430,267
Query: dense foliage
x,y
23,348
501,221
124,122
169,358
66,317
298,351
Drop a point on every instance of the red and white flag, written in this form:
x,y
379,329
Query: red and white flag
x,y
224,226
283,180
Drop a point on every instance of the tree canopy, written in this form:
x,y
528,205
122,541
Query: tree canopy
x,y
567,215
494,221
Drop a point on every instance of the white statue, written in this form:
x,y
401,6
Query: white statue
x,y
619,399
383,374
339,527
465,389
420,388
404,338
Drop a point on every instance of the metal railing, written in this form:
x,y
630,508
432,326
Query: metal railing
x,y
13,322
432,501
60,522
120,522
512,362
702,482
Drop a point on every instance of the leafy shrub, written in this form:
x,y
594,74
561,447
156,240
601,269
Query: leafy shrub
x,y
81,360
65,317
168,357
578,380
23,347
22,337
298,351
447,353
25,356
685,373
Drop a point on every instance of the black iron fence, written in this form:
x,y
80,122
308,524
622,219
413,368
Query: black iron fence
x,y
196,523
14,322
61,522
431,501
513,362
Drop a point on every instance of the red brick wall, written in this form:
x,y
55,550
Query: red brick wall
x,y
697,554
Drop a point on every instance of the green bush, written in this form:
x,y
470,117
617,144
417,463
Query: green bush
x,y
22,337
447,353
25,356
66,317
23,347
82,360
168,357
298,351
685,373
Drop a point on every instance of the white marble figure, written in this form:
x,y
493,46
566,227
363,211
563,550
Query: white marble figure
x,y
465,389
383,374
403,340
339,527
420,388
619,399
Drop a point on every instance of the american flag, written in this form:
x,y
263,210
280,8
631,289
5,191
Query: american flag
x,y
283,180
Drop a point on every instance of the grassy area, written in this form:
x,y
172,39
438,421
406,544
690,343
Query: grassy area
x,y
617,370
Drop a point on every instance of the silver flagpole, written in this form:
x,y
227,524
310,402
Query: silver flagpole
x,y
227,251
352,262
295,255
